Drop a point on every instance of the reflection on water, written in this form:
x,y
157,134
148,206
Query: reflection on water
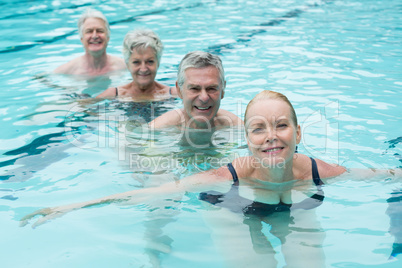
x,y
82,86
85,124
394,211
61,146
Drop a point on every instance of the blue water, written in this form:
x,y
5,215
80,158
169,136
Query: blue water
x,y
339,62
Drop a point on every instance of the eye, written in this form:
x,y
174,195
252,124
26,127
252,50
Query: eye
x,y
257,130
282,125
212,89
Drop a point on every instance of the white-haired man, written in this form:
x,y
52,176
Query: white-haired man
x,y
94,33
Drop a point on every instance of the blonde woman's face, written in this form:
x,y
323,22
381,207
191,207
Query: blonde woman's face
x,y
271,133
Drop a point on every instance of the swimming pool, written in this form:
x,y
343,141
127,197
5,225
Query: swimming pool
x,y
339,62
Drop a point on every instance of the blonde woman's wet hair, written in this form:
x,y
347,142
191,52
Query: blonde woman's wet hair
x,y
271,95
141,39
92,13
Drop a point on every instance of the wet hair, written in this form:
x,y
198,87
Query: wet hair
x,y
92,13
199,59
271,95
140,39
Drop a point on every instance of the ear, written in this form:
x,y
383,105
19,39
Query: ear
x,y
223,90
178,91
298,134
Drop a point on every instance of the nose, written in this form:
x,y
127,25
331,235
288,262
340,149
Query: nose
x,y
204,97
94,34
270,134
143,66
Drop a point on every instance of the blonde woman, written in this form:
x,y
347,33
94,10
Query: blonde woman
x,y
273,186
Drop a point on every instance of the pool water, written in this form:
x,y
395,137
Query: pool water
x,y
339,63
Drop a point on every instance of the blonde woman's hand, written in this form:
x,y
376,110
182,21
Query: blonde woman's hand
x,y
47,213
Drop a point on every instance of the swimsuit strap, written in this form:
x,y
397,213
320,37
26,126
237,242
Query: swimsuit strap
x,y
234,174
314,169
117,92
316,176
170,91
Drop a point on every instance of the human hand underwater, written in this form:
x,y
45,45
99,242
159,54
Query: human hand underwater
x,y
47,213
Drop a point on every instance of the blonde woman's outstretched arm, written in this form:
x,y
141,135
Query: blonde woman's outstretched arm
x,y
213,179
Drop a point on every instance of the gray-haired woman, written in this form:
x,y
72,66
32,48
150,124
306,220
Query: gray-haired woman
x,y
142,51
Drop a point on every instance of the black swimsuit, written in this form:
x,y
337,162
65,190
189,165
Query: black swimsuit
x,y
147,110
234,202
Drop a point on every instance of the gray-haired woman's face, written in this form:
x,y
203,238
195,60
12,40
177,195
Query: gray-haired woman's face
x,y
143,66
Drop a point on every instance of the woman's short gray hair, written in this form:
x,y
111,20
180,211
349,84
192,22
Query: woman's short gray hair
x,y
141,39
199,59
92,13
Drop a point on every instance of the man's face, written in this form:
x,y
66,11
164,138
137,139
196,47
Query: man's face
x,y
94,35
201,93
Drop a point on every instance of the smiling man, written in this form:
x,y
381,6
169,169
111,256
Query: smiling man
x,y
94,33
201,84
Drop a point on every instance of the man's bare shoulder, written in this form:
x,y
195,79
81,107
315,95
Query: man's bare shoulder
x,y
77,65
168,119
117,63
227,119
71,67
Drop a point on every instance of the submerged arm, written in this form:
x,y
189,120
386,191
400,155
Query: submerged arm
x,y
334,173
369,175
198,182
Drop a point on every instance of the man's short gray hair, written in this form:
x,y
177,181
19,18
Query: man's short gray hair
x,y
199,59
92,13
142,39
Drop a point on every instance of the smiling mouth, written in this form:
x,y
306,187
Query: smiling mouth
x,y
271,150
203,108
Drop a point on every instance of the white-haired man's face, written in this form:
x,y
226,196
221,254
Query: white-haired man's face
x,y
94,35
